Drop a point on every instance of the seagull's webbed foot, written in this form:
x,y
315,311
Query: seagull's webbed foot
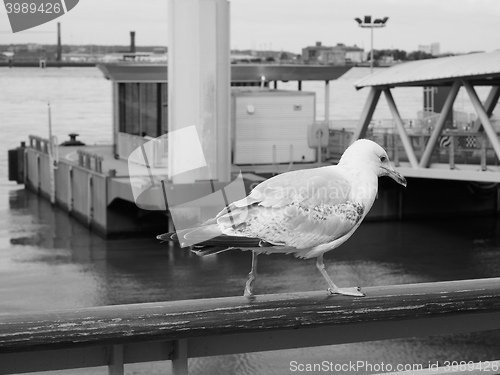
x,y
248,289
334,289
353,292
251,276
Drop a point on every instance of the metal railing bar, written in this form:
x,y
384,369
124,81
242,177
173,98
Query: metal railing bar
x,y
83,357
115,335
342,334
213,317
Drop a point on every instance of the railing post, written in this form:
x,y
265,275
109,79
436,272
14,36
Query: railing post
x,y
394,145
116,366
180,357
90,198
70,189
80,158
483,152
38,174
396,155
452,152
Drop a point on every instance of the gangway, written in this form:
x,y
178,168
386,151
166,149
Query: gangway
x,y
468,71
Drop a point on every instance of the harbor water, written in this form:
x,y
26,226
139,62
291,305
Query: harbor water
x,y
49,261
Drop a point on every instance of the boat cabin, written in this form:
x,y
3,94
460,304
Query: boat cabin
x,y
140,109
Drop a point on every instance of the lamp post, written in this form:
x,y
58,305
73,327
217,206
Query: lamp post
x,y
367,23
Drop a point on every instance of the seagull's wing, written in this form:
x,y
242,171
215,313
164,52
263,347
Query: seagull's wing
x,y
300,209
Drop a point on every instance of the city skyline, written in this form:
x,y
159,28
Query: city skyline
x,y
290,25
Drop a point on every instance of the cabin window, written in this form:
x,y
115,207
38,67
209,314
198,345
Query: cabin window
x,y
164,108
143,109
148,109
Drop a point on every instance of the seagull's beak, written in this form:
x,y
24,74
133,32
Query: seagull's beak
x,y
396,176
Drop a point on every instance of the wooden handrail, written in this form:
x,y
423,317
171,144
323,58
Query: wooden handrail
x,y
238,324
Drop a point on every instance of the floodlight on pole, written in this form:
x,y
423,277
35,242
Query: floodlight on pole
x,y
366,22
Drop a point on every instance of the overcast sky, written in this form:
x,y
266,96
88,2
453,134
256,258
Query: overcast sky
x,y
290,25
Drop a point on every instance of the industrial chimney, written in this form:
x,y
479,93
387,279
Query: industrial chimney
x,y
59,47
132,41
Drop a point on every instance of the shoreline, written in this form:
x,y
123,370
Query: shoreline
x,y
48,64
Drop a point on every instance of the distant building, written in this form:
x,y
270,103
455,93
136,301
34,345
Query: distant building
x,y
245,58
34,47
30,47
134,57
266,56
333,56
386,60
433,49
312,54
25,54
336,55
354,54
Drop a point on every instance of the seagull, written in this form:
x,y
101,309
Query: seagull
x,y
304,212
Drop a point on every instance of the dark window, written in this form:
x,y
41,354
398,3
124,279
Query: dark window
x,y
129,108
143,108
164,108
148,109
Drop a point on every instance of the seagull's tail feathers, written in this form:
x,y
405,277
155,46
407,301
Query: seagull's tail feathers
x,y
224,242
208,240
190,236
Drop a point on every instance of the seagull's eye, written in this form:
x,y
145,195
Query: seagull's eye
x,y
383,159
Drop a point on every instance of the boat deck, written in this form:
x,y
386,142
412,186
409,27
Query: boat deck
x,y
69,154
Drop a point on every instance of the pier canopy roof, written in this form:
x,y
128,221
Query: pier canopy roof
x,y
467,71
242,73
477,68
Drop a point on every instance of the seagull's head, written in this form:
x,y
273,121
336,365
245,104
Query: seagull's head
x,y
368,154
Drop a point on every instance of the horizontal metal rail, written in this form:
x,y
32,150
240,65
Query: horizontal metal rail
x,y
453,147
116,335
39,143
90,160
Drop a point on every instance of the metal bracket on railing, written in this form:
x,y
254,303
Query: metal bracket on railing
x,y
90,161
39,143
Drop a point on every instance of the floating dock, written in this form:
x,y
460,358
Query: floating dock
x,y
89,184
95,188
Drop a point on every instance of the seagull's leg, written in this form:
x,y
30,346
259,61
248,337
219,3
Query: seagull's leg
x,y
251,276
334,289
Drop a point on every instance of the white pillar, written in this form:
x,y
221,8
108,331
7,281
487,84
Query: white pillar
x,y
199,82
